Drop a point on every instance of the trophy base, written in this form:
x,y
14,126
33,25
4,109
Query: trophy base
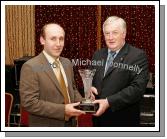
x,y
88,107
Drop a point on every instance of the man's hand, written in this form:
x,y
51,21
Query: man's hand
x,y
93,91
103,105
71,111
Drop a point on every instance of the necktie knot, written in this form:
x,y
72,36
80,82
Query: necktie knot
x,y
56,64
112,53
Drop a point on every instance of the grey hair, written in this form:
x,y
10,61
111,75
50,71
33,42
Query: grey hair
x,y
114,18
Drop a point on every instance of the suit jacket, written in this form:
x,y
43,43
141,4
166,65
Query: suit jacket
x,y
122,85
40,92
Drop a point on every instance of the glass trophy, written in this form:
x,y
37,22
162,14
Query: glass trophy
x,y
87,77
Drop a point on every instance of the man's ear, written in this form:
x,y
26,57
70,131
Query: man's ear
x,y
124,34
42,40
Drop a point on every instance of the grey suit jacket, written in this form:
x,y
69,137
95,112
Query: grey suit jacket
x,y
40,92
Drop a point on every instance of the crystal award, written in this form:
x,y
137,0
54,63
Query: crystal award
x,y
87,77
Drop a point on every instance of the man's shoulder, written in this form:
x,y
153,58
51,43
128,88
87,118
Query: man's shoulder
x,y
35,60
64,59
134,52
134,49
101,50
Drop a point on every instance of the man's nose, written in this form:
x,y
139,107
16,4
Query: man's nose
x,y
110,36
58,43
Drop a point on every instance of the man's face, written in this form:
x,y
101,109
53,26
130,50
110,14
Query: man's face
x,y
114,36
54,40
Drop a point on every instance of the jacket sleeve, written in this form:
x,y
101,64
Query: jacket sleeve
x,y
136,88
30,96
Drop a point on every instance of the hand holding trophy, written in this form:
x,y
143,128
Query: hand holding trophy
x,y
87,77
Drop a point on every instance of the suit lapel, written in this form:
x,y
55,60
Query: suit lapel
x,y
118,59
104,56
66,69
67,72
49,71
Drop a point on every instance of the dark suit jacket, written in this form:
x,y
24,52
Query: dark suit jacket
x,y
41,94
121,85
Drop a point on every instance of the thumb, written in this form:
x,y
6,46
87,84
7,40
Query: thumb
x,y
96,101
76,104
94,90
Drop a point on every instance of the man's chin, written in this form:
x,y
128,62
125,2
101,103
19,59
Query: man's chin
x,y
111,46
56,55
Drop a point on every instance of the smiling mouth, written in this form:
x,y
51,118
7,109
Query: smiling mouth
x,y
57,51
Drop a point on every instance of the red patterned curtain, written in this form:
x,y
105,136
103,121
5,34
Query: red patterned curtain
x,y
80,24
140,26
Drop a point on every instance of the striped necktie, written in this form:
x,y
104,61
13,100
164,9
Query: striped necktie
x,y
109,61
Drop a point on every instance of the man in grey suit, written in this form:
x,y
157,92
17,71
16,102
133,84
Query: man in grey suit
x,y
120,83
47,87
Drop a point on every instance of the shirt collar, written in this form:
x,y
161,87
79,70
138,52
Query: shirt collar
x,y
115,51
49,58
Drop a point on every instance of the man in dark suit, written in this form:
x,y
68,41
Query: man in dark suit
x,y
120,83
47,86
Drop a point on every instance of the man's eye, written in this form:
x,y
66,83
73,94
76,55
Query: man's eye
x,y
61,39
107,33
53,39
115,32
